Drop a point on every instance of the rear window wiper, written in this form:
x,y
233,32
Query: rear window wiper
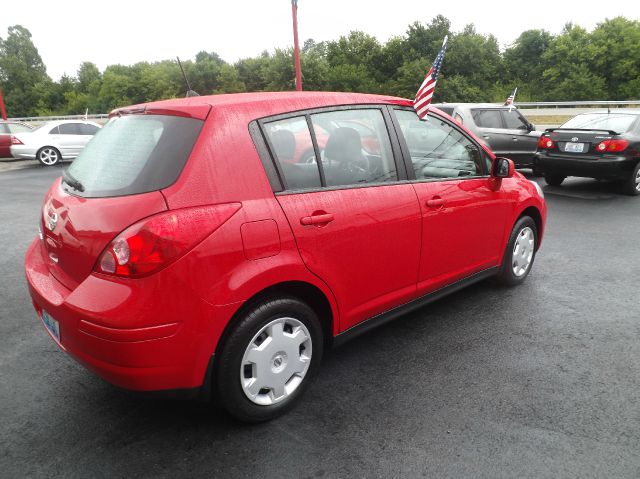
x,y
72,182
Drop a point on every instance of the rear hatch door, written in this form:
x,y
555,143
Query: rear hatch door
x,y
114,183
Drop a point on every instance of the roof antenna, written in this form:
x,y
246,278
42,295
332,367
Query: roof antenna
x,y
190,92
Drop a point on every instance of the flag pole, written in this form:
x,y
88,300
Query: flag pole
x,y
514,99
296,46
2,109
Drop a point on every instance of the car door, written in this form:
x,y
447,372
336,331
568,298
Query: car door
x,y
463,209
490,128
5,141
524,139
356,220
70,140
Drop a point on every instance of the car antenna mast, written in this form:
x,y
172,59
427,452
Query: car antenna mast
x,y
190,92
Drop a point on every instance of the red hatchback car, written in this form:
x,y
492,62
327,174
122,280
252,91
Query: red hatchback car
x,y
184,252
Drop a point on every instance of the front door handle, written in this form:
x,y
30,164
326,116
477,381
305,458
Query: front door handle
x,y
436,202
317,219
486,137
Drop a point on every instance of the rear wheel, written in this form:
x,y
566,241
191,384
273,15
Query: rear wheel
x,y
48,156
554,180
520,252
268,359
632,185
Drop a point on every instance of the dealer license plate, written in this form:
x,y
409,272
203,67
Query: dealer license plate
x,y
52,325
574,147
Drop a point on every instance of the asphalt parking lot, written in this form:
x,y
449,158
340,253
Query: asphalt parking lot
x,y
538,381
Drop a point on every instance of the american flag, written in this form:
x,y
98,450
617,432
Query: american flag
x,y
425,93
510,99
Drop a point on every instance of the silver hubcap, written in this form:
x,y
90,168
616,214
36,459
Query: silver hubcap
x,y
49,156
638,180
523,251
276,361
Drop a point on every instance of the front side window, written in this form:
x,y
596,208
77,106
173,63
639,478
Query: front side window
x,y
355,148
487,118
70,129
514,120
437,150
88,129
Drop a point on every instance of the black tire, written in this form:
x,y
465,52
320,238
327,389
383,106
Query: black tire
x,y
507,276
536,172
630,186
554,180
228,386
49,156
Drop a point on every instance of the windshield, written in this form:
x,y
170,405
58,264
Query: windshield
x,y
618,122
135,154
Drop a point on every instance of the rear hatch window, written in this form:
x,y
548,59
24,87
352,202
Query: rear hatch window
x,y
601,121
135,154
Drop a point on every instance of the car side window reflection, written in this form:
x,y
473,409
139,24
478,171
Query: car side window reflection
x,y
438,151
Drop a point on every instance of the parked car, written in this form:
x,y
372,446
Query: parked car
x,y
602,145
7,130
506,131
182,252
54,141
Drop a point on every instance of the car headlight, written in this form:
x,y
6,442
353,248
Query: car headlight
x,y
539,188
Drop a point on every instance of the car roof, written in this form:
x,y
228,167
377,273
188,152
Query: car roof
x,y
271,103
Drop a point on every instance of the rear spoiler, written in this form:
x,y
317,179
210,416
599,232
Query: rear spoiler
x,y
610,132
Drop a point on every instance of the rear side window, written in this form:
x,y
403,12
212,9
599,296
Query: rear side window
x,y
135,154
355,148
487,118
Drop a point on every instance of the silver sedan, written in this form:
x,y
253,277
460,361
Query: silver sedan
x,y
54,141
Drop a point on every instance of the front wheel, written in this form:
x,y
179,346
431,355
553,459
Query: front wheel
x,y
632,185
520,252
49,156
268,359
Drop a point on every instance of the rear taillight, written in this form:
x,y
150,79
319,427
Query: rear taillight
x,y
15,141
612,145
157,241
545,143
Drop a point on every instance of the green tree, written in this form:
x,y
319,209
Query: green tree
x,y
23,76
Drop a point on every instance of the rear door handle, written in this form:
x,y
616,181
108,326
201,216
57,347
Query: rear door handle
x,y
486,137
317,220
435,203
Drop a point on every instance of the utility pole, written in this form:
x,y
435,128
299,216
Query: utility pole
x,y
296,45
2,109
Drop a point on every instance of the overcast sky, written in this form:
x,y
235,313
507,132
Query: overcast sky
x,y
69,32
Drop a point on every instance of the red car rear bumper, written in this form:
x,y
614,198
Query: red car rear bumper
x,y
142,335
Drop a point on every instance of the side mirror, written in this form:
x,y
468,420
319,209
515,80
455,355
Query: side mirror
x,y
502,168
532,127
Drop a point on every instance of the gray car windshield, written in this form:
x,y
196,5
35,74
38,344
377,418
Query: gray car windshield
x,y
618,122
134,154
